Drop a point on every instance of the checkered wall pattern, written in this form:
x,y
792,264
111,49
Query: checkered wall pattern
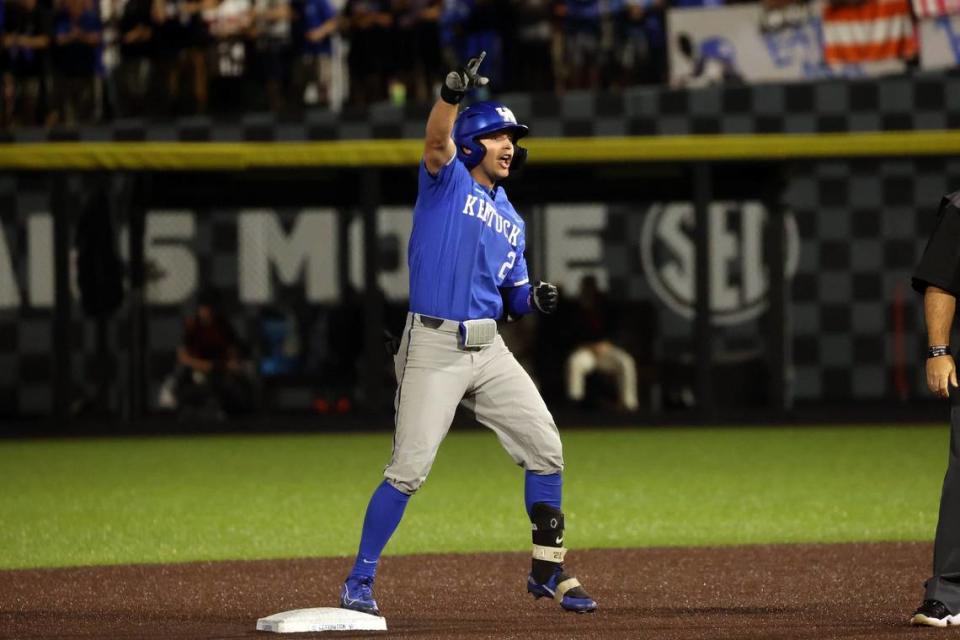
x,y
926,101
862,226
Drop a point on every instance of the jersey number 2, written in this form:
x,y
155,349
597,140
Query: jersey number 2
x,y
506,266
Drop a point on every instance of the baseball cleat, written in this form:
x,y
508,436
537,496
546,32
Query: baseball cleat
x,y
934,613
356,594
565,590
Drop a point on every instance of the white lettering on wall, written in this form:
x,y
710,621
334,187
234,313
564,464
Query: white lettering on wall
x,y
573,245
308,253
394,225
739,272
9,292
168,252
40,280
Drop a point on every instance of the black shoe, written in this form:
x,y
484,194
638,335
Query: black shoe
x,y
934,613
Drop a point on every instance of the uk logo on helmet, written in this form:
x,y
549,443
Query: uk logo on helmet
x,y
507,115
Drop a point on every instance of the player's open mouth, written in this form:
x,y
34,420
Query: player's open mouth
x,y
505,161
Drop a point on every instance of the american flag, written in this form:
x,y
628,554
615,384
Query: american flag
x,y
870,31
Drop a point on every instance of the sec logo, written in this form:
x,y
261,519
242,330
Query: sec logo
x,y
739,274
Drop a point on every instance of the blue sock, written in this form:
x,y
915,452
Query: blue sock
x,y
547,489
383,515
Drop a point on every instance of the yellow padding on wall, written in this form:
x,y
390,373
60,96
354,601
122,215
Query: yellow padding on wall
x,y
235,156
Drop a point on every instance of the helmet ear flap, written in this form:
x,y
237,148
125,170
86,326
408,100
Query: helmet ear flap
x,y
471,153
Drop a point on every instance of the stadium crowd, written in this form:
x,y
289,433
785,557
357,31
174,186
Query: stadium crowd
x,y
67,62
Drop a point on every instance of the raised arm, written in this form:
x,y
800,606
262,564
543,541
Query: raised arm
x,y
939,307
438,145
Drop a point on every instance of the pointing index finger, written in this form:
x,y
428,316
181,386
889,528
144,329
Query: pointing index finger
x,y
475,64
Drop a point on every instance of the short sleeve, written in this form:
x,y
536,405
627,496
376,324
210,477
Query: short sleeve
x,y
442,182
940,264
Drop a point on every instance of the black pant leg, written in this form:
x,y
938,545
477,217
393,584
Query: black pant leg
x,y
944,585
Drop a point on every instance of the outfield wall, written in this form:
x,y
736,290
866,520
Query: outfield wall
x,y
282,227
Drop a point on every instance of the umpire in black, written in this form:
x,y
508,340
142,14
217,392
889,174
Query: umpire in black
x,y
937,277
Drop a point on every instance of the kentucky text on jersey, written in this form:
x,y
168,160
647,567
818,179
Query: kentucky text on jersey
x,y
467,243
486,212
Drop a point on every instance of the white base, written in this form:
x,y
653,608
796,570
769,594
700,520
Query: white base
x,y
321,619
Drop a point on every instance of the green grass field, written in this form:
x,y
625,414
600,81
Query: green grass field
x,y
106,501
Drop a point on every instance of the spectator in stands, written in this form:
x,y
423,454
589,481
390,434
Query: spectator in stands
x,y
272,23
181,40
316,23
582,43
369,24
481,30
417,45
396,50
212,377
28,40
168,40
450,27
596,352
193,56
105,91
135,33
654,21
428,64
231,27
643,49
532,25
76,60
399,69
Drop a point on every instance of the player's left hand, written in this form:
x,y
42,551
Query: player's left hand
x,y
545,297
457,83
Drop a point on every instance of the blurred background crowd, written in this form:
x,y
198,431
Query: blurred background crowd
x,y
82,61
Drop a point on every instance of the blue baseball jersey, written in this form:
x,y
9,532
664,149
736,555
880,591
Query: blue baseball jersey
x,y
466,243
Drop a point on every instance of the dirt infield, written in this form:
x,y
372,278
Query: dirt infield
x,y
777,591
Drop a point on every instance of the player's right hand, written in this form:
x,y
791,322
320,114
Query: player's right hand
x,y
458,82
941,375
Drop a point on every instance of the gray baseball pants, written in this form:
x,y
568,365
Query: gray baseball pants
x,y
435,374
944,585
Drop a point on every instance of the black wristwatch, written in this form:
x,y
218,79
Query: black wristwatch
x,y
938,350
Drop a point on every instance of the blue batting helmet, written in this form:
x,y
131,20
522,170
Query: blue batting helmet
x,y
477,120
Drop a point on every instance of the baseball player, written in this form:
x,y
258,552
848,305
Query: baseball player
x,y
467,269
938,278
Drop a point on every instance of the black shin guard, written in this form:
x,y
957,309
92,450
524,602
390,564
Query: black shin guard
x,y
547,532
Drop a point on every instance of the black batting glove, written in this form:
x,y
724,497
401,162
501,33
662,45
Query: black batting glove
x,y
545,297
457,83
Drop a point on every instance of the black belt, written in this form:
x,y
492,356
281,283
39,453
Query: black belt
x,y
431,322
